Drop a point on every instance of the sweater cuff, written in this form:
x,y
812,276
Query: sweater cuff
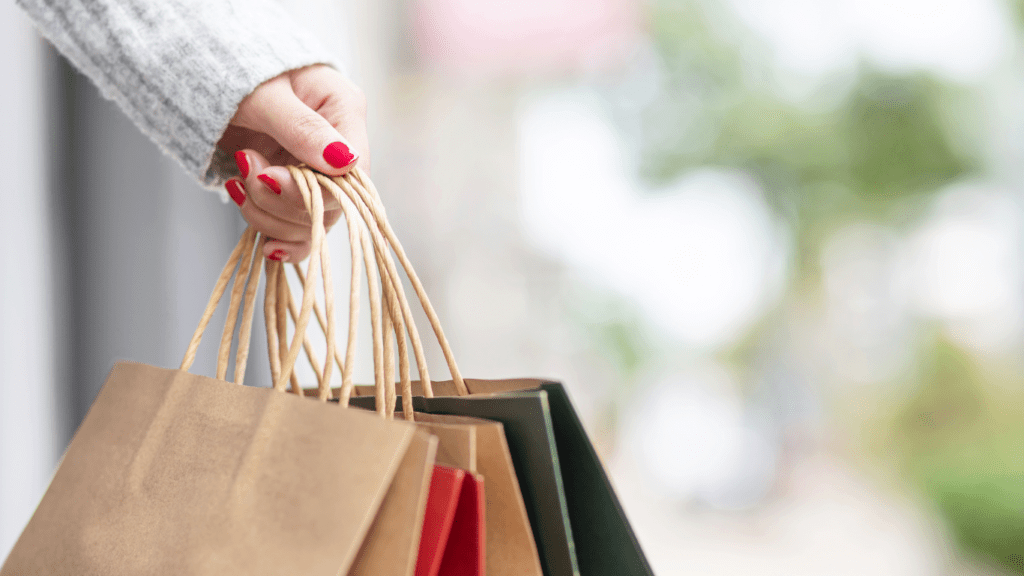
x,y
179,68
259,42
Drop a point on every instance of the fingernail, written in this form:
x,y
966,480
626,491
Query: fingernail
x,y
270,182
243,163
279,255
338,155
236,191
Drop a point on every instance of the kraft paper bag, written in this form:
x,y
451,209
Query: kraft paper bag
x,y
586,532
393,541
578,522
176,473
511,549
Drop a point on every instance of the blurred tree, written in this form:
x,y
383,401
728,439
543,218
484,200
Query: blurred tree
x,y
885,141
966,453
886,145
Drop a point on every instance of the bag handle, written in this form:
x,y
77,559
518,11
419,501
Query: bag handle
x,y
245,257
357,188
386,306
245,253
279,305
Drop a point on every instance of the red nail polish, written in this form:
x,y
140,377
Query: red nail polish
x,y
243,163
338,155
236,191
279,255
270,182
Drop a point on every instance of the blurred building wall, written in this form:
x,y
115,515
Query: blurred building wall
x,y
29,421
112,254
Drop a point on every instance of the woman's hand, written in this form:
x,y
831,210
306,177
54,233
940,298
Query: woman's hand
x,y
312,115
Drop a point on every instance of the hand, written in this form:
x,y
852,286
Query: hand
x,y
311,115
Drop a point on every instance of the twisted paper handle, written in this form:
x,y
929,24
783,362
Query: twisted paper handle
x,y
355,194
358,188
371,240
245,254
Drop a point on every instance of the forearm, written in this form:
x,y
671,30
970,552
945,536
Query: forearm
x,y
178,68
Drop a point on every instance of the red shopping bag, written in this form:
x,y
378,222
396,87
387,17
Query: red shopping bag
x,y
452,542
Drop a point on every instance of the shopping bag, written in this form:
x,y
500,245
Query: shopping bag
x,y
391,545
604,542
445,488
453,531
523,474
464,553
511,549
176,473
576,516
566,487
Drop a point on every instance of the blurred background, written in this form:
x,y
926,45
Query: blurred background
x,y
774,248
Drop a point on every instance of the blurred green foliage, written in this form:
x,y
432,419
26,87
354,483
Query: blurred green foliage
x,y
963,443
885,140
877,152
980,491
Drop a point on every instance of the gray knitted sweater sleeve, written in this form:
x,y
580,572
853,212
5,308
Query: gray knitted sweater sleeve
x,y
178,68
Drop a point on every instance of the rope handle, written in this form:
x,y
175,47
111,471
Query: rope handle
x,y
383,364
358,187
384,310
390,312
279,304
245,253
243,266
356,191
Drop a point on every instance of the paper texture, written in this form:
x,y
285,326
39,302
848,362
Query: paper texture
x,y
175,473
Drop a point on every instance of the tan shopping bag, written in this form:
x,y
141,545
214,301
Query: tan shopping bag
x,y
475,445
176,473
391,545
577,520
511,550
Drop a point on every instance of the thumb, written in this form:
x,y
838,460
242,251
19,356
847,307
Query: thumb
x,y
300,130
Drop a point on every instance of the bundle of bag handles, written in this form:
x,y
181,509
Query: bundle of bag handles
x,y
372,241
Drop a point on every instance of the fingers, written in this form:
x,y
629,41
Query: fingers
x,y
270,200
286,251
340,101
274,190
289,242
262,221
275,109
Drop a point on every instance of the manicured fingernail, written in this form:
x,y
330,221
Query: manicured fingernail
x,y
236,191
338,155
243,163
279,255
270,182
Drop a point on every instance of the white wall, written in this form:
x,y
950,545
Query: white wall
x,y
29,417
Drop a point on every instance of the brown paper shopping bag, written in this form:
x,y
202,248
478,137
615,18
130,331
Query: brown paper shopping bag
x,y
176,473
511,550
510,547
390,546
577,520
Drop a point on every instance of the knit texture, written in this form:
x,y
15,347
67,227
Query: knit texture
x,y
178,68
